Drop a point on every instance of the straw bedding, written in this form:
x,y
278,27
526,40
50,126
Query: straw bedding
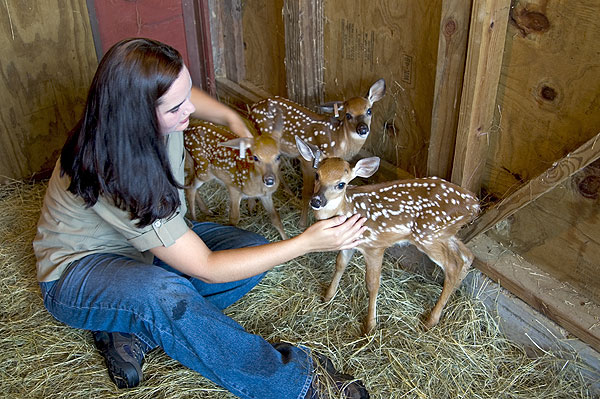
x,y
465,356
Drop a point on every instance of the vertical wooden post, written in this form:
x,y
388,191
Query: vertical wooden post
x,y
452,51
235,64
487,35
199,47
303,20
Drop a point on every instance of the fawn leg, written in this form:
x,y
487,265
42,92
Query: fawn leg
x,y
284,184
373,260
455,259
191,195
267,202
235,197
343,257
251,205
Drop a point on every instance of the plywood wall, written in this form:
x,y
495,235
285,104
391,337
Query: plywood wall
x,y
560,233
548,100
47,62
264,45
392,39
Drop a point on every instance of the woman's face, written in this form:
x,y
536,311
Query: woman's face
x,y
174,107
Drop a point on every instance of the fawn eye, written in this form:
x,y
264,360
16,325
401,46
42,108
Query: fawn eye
x,y
348,116
255,158
278,157
369,112
340,185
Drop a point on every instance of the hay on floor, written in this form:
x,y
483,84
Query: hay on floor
x,y
465,356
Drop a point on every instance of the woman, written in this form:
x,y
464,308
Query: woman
x,y
116,256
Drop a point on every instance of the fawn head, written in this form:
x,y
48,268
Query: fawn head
x,y
264,152
333,175
356,112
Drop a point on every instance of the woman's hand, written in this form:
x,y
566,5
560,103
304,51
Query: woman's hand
x,y
334,234
210,109
237,125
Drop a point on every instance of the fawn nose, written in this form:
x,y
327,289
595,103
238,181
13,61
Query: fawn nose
x,y
362,129
269,180
316,202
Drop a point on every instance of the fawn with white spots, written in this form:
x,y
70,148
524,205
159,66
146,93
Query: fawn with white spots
x,y
214,153
335,138
425,212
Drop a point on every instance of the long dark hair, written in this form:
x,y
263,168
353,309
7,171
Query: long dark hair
x,y
117,150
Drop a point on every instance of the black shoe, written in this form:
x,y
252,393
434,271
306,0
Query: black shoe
x,y
328,380
124,357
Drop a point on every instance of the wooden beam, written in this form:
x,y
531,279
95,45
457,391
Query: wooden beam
x,y
535,188
452,52
304,58
239,96
487,34
199,47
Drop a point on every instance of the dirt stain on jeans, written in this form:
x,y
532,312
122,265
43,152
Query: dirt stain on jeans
x,y
179,309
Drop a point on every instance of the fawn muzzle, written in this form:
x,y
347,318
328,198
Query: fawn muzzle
x,y
362,129
317,202
269,180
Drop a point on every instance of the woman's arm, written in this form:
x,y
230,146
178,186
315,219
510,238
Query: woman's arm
x,y
191,256
210,109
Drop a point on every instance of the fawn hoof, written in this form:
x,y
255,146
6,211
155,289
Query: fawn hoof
x,y
369,327
430,321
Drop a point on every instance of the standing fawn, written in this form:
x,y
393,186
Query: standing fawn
x,y
337,138
214,153
426,212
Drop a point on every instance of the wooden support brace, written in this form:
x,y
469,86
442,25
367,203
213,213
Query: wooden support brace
x,y
199,47
535,188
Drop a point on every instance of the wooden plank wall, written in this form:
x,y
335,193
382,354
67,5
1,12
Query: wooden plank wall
x,y
547,106
156,19
248,43
392,39
548,99
558,235
264,45
47,63
560,232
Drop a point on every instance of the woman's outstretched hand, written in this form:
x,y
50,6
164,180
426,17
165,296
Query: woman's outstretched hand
x,y
338,232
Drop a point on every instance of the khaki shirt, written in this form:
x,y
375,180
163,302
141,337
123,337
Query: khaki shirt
x,y
68,231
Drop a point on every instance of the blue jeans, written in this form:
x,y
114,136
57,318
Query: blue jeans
x,y
182,315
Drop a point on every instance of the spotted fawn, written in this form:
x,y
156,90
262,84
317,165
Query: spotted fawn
x,y
214,153
339,138
425,212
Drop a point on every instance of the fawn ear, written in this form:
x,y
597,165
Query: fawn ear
x,y
309,152
240,143
277,131
331,107
366,167
377,91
